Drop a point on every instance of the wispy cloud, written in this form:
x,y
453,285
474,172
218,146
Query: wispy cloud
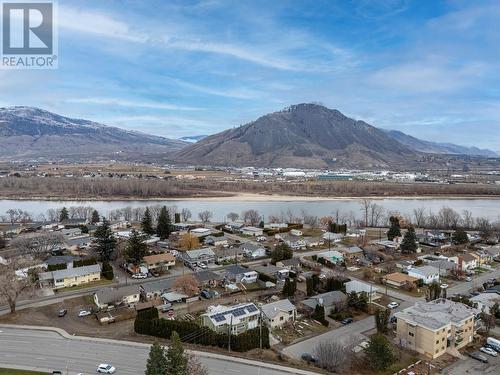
x,y
131,103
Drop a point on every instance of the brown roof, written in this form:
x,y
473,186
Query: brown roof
x,y
153,259
467,257
400,278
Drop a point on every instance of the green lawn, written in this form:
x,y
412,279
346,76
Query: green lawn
x,y
8,371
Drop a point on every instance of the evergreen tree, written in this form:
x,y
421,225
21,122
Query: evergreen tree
x,y
63,215
95,217
395,230
319,314
290,287
106,242
409,244
164,227
460,237
157,361
147,223
3,243
177,217
107,271
433,291
382,321
379,353
136,248
309,287
177,362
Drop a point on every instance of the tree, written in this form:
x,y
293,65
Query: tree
x,y
332,356
187,285
63,215
251,216
379,353
290,287
11,286
2,242
409,244
95,217
495,310
189,241
433,291
460,237
395,229
157,361
319,314
37,244
136,248
195,367
107,271
177,362
164,227
147,223
310,286
488,321
186,214
205,216
233,216
106,242
382,321
281,252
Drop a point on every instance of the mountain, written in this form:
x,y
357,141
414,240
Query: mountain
x,y
28,133
438,148
304,136
193,138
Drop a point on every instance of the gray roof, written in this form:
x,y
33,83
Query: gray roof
x,y
195,254
425,270
443,264
353,250
236,269
158,286
205,276
73,272
329,299
79,241
270,310
109,295
61,259
251,247
436,314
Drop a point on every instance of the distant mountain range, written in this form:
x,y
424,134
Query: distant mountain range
x,y
302,135
28,133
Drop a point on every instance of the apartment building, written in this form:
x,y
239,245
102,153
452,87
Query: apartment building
x,y
431,327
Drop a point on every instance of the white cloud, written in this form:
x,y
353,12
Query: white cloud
x,y
130,103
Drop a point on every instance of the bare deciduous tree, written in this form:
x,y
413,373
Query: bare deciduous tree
x,y
205,216
37,244
12,285
366,205
187,285
186,214
419,217
332,357
195,367
251,216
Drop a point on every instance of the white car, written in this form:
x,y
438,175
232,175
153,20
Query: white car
x,y
203,266
468,278
83,313
489,351
444,286
392,305
139,276
105,368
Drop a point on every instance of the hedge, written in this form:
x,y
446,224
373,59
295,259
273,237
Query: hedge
x,y
84,262
56,267
148,323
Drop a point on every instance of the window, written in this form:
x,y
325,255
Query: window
x,y
437,342
411,334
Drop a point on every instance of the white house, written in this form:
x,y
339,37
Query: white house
x,y
277,314
360,286
238,318
252,231
428,274
333,237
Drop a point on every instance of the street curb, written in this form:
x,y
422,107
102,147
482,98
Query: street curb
x,y
66,335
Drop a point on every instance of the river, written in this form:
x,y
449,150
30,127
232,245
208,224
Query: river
x,y
480,207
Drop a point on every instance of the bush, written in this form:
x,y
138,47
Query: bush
x,y
148,323
55,267
84,262
339,316
107,271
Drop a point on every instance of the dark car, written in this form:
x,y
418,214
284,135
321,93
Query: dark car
x,y
347,321
478,356
308,358
62,313
393,319
206,294
56,372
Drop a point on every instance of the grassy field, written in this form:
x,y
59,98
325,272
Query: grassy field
x,y
8,371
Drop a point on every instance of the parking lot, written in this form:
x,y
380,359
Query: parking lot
x,y
471,366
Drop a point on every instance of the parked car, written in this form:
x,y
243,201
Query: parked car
x,y
83,313
309,358
206,294
347,321
444,286
202,265
393,319
392,305
468,279
165,307
105,368
489,351
56,372
62,313
478,356
139,276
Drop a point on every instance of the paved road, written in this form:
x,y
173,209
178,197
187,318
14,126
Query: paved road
x,y
353,333
48,351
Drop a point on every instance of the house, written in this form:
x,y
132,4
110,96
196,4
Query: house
x,y
275,226
200,232
352,252
280,274
398,279
277,314
467,262
332,302
61,259
235,272
71,232
332,256
209,278
11,229
128,296
355,233
404,265
191,258
290,264
427,274
251,231
332,237
296,232
485,301
228,254
236,319
78,243
155,289
294,242
389,245
253,251
71,276
159,262
482,257
430,328
216,241
360,287
314,241
445,267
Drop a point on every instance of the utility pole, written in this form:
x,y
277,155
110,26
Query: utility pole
x,y
260,328
230,333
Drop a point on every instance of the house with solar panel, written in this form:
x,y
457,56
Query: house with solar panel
x,y
235,319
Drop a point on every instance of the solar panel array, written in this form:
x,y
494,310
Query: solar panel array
x,y
236,312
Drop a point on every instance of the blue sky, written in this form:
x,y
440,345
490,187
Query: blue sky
x,y
176,68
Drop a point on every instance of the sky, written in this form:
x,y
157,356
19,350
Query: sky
x,y
429,68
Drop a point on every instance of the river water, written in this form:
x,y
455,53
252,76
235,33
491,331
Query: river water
x,y
481,207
